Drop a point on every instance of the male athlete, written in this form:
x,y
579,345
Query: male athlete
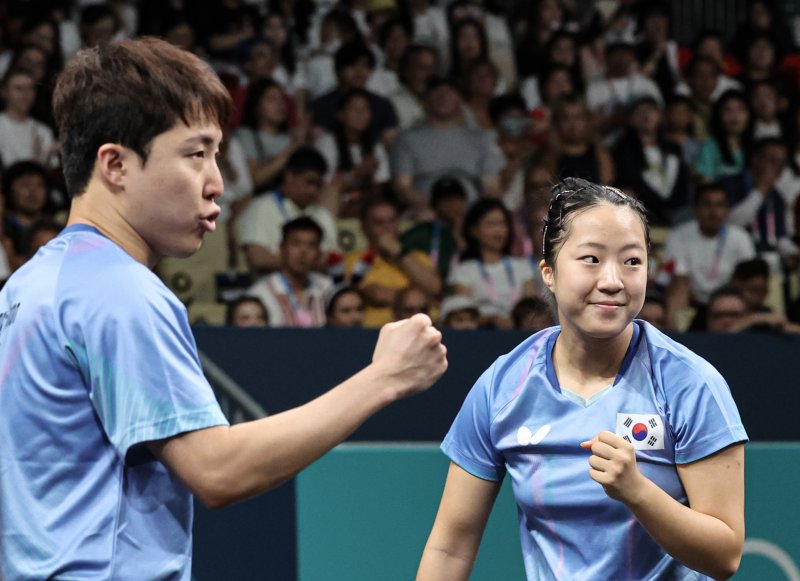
x,y
107,425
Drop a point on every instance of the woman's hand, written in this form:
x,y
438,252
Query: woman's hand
x,y
613,465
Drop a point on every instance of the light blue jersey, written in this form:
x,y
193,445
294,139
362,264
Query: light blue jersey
x,y
96,357
671,404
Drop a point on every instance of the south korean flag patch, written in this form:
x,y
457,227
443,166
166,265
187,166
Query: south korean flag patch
x,y
644,431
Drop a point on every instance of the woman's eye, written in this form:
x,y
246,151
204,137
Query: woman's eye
x,y
590,259
199,154
633,262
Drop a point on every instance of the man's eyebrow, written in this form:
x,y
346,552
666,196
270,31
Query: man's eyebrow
x,y
205,139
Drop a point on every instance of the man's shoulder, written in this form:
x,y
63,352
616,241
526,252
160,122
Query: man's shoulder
x,y
84,270
263,204
683,235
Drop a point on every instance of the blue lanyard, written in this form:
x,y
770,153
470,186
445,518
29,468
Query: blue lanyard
x,y
282,206
436,242
714,268
290,294
490,283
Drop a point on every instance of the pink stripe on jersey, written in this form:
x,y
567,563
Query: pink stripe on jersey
x,y
528,364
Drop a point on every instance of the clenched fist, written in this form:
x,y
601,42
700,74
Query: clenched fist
x,y
410,354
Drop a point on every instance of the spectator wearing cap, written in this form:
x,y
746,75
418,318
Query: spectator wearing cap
x,y
354,63
443,145
609,97
440,238
649,166
460,313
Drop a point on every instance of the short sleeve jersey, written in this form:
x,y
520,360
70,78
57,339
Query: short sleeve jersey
x,y
669,402
96,358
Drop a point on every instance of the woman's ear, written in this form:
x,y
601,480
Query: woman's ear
x,y
547,274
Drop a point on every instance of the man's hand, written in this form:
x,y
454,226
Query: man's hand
x,y
390,247
613,464
410,354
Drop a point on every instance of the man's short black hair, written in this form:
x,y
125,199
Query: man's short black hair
x,y
501,104
704,189
445,188
352,52
301,224
306,159
753,268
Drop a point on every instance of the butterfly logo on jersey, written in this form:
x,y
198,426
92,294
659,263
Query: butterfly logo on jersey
x,y
644,431
525,435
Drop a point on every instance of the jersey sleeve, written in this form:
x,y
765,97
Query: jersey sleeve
x,y
469,442
702,413
137,354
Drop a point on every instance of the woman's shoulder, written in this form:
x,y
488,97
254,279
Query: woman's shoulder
x,y
509,370
675,361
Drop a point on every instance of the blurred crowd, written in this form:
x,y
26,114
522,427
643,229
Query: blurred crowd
x,y
393,157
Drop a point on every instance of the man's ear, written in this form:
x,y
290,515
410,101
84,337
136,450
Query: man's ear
x,y
547,274
112,159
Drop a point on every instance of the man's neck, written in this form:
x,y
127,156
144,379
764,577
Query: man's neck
x,y
297,280
709,232
444,123
289,198
95,207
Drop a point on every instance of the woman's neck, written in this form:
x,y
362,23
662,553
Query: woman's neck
x,y
648,139
678,135
587,364
578,148
490,256
267,127
734,142
352,136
